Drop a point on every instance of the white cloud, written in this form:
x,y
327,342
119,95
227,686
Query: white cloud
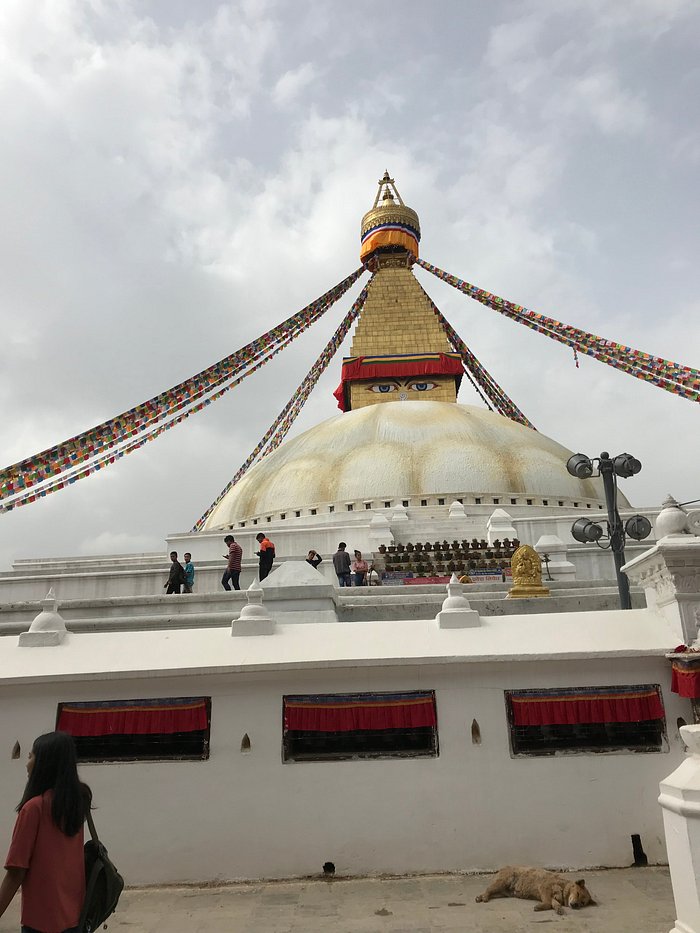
x,y
293,83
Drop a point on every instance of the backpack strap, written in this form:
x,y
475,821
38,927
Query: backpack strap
x,y
91,825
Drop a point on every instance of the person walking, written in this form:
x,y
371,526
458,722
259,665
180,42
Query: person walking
x,y
176,576
46,852
314,558
232,573
189,573
341,563
359,569
266,555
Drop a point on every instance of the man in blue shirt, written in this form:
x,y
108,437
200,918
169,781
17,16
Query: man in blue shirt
x,y
189,574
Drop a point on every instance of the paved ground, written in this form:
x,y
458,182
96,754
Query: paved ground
x,y
630,901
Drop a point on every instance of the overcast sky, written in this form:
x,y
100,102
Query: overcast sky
x,y
178,177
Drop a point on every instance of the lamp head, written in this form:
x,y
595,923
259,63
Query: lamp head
x,y
585,531
625,465
580,466
638,527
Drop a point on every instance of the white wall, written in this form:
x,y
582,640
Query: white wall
x,y
251,816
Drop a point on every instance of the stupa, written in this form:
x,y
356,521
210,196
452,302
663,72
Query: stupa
x,y
403,440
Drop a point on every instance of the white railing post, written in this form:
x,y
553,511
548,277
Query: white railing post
x,y
680,801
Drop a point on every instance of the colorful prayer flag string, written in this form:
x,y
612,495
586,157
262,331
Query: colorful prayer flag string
x,y
477,374
680,380
84,447
277,431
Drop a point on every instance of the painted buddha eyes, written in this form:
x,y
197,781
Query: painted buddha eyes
x,y
383,388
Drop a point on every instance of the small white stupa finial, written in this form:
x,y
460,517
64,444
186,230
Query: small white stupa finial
x,y
254,618
48,628
456,611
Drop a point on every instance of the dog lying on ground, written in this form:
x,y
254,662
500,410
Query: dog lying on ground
x,y
553,891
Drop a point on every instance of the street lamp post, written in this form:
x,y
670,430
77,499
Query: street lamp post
x,y
615,529
586,531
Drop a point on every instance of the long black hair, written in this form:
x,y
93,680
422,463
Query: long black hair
x,y
56,769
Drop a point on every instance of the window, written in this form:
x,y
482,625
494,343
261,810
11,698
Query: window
x,y
331,508
529,501
404,503
283,515
513,501
545,502
477,501
241,524
138,730
423,501
255,521
387,505
588,505
297,514
269,518
313,511
368,505
339,726
585,720
496,501
441,501
561,502
349,508
575,505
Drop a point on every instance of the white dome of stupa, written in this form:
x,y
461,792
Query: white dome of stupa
x,y
400,451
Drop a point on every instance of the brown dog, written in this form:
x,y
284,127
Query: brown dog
x,y
553,891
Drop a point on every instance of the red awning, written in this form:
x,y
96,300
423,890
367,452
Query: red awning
x,y
685,681
132,718
552,709
322,714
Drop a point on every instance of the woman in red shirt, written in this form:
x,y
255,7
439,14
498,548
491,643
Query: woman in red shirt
x,y
46,853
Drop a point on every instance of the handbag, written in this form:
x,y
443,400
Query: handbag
x,y
103,883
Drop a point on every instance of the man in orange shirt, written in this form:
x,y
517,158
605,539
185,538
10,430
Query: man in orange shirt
x,y
266,555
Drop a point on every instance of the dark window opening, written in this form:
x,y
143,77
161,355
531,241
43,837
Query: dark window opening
x,y
644,736
368,505
297,514
349,508
441,501
330,727
180,746
513,501
548,722
423,502
529,501
477,501
561,502
545,502
405,503
379,743
138,730
313,511
387,505
283,515
496,501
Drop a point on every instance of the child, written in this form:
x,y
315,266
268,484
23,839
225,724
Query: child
x,y
46,853
189,573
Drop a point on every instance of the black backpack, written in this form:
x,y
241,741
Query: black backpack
x,y
103,884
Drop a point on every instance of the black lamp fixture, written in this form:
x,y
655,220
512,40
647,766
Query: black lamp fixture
x,y
586,531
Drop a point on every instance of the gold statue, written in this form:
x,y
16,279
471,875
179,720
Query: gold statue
x,y
527,574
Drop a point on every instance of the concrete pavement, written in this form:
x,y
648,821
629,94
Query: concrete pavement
x,y
636,900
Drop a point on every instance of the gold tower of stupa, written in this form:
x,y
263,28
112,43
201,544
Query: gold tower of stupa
x,y
399,351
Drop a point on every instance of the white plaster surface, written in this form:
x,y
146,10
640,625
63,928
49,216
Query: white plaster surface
x,y
238,816
680,801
